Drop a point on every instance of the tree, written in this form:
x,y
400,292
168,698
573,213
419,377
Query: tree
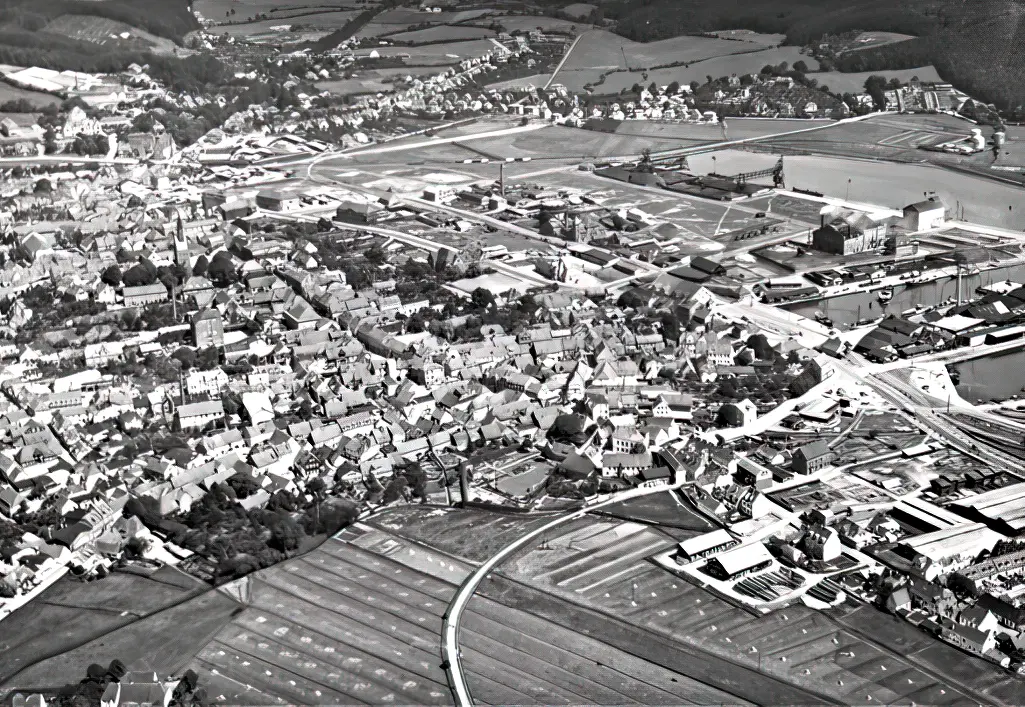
x,y
800,66
112,276
43,186
653,88
137,275
201,265
673,88
393,491
875,87
482,298
222,271
186,356
635,89
694,86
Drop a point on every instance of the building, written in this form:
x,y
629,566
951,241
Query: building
x,y
702,546
207,328
144,294
739,414
197,415
275,200
822,543
812,457
849,234
947,550
739,562
439,194
924,215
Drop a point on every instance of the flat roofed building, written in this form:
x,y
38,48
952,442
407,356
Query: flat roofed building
x,y
948,550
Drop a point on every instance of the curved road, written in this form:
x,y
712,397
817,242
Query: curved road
x,y
450,621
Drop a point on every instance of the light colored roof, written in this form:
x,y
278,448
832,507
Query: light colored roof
x,y
743,557
701,543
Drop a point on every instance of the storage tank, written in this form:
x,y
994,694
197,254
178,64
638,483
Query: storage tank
x,y
999,137
976,140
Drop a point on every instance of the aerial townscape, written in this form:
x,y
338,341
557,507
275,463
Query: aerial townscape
x,y
520,352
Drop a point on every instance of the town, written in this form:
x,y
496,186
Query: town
x,y
241,328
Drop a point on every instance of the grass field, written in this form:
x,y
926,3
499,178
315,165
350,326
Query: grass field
x,y
659,509
855,83
871,40
36,98
600,49
107,33
406,16
746,35
325,21
716,67
737,128
436,54
545,24
445,33
537,80
579,10
71,613
215,9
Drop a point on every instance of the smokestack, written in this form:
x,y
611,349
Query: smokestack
x,y
501,178
464,483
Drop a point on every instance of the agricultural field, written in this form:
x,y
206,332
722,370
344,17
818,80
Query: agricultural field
x,y
737,129
839,82
71,613
663,509
871,40
716,67
600,49
36,98
579,10
355,86
107,33
546,24
443,33
408,16
339,625
322,22
216,9
604,568
746,35
444,54
469,534
536,80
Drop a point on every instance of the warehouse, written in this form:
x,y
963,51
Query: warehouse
x,y
740,562
704,545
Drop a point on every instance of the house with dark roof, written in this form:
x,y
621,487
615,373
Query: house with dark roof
x,y
812,457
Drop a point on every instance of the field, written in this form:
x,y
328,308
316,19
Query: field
x,y
600,49
829,657
446,33
36,98
537,80
321,21
746,35
106,33
737,129
579,10
663,509
839,82
545,24
407,16
871,40
71,613
716,67
436,54
215,9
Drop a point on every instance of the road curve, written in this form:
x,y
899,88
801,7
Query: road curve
x,y
450,621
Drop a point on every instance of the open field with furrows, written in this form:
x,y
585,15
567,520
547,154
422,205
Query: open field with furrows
x,y
36,98
340,625
473,535
839,82
795,645
107,33
71,613
749,62
534,660
659,509
443,33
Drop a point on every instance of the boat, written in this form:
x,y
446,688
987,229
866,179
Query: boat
x,y
885,295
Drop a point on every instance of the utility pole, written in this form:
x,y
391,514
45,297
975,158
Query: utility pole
x,y
501,178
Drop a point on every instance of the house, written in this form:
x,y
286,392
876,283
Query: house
x,y
673,406
198,415
144,294
739,414
207,328
737,563
812,457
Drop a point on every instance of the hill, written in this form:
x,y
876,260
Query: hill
x,y
76,34
975,45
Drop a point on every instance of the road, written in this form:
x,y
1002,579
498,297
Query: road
x,y
450,622
564,58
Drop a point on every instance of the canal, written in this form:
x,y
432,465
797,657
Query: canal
x,y
847,310
991,378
